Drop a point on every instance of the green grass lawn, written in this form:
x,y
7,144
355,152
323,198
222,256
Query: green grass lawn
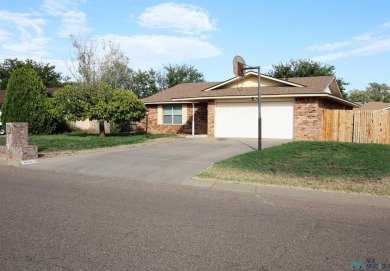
x,y
75,142
349,167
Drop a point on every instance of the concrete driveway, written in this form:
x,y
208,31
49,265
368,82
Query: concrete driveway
x,y
170,163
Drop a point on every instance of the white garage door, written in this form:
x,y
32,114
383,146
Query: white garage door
x,y
240,120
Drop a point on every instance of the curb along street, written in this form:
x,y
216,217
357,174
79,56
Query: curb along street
x,y
301,193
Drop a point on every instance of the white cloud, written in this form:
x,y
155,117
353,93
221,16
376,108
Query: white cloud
x,y
183,18
378,33
152,51
4,35
328,46
73,21
36,46
54,7
386,24
363,37
60,64
24,35
374,48
23,20
370,43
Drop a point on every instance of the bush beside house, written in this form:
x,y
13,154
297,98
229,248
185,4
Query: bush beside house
x,y
26,101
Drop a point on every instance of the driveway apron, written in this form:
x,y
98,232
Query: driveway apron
x,y
170,163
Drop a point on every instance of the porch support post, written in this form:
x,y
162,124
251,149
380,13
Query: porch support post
x,y
193,119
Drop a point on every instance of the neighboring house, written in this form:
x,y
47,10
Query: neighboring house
x,y
374,106
87,125
2,131
2,97
291,108
50,92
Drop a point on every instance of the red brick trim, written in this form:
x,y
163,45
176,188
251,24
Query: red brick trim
x,y
211,118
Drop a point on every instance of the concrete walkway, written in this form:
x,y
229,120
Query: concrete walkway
x,y
169,163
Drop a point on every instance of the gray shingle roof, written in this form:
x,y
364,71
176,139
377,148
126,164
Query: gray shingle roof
x,y
179,91
312,85
373,106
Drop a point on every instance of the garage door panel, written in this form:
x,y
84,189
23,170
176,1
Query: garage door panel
x,y
236,120
240,120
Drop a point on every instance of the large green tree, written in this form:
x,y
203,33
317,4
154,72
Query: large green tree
x,y
374,92
146,83
46,72
357,95
26,101
305,68
177,74
102,103
101,72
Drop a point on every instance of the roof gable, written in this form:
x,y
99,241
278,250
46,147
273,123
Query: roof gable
x,y
251,80
327,84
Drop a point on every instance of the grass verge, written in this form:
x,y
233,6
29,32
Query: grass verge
x,y
76,142
334,166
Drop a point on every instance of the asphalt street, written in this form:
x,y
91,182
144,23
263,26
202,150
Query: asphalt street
x,y
61,221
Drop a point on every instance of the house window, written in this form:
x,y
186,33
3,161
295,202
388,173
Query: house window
x,y
172,114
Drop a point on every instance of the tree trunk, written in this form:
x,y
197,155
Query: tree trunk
x,y
102,132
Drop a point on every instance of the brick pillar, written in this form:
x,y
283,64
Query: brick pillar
x,y
210,118
17,134
17,142
308,118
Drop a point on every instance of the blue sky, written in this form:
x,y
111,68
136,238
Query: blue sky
x,y
352,35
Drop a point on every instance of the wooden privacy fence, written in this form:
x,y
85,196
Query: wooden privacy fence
x,y
360,126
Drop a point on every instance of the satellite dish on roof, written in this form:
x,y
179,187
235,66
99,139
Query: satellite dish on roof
x,y
238,65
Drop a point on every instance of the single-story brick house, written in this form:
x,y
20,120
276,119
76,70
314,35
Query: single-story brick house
x,y
291,108
50,92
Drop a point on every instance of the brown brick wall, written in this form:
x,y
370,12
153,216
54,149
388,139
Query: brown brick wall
x,y
17,134
308,117
326,104
155,128
4,153
24,153
210,118
17,143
